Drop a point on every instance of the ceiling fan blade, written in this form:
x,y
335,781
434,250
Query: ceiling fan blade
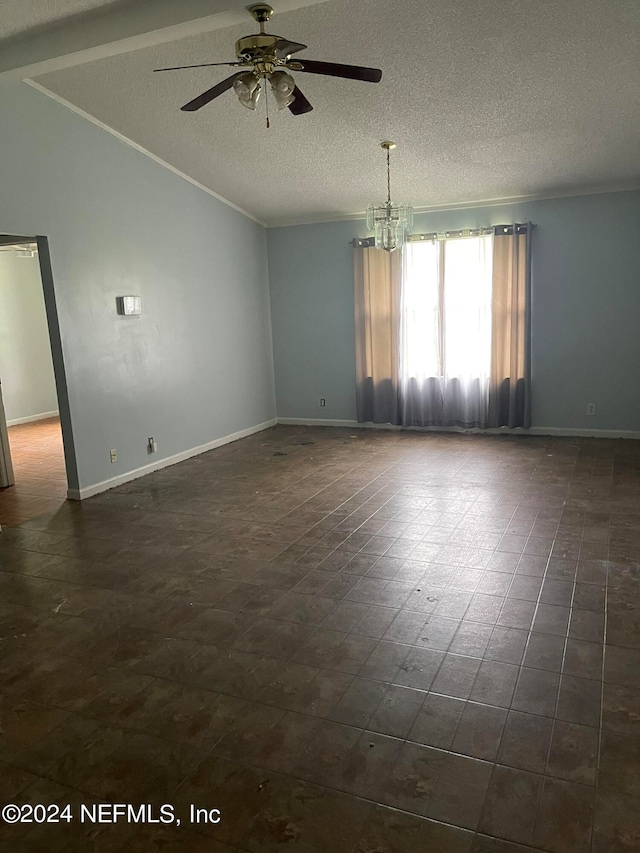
x,y
210,94
335,69
301,104
286,48
201,65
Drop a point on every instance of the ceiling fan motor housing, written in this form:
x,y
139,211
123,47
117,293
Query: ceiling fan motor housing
x,y
260,50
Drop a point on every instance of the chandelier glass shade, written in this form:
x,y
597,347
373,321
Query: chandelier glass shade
x,y
390,223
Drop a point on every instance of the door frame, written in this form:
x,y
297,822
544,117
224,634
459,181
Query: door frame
x,y
57,355
6,466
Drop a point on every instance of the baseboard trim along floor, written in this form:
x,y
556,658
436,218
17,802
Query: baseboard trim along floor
x,y
88,491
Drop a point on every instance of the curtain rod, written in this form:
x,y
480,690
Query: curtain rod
x,y
497,230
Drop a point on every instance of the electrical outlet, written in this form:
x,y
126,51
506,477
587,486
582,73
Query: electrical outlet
x,y
323,402
113,455
152,445
591,408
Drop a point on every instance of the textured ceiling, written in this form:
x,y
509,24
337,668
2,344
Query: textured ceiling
x,y
488,100
18,17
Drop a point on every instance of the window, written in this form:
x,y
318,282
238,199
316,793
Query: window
x,y
443,330
446,309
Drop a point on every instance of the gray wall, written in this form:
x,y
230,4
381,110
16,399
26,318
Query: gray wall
x,y
197,365
26,369
585,309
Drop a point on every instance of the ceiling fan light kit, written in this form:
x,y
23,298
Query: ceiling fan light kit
x,y
389,222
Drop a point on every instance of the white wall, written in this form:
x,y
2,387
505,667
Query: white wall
x,y
197,365
26,369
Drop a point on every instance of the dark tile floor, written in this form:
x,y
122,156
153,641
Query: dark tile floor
x,y
346,643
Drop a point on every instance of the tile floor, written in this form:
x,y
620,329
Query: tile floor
x,y
346,643
38,464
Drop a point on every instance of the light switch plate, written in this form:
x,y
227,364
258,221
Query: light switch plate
x,y
129,305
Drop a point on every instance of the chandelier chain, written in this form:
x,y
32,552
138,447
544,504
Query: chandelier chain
x,y
388,176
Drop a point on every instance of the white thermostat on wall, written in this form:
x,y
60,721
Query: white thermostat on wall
x,y
129,305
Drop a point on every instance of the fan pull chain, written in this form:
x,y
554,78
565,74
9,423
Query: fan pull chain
x,y
266,99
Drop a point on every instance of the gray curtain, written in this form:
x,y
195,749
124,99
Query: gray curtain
x,y
437,401
510,385
377,326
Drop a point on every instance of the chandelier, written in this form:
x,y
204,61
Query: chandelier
x,y
389,222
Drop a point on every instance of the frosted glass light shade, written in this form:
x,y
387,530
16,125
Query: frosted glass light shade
x,y
282,86
248,88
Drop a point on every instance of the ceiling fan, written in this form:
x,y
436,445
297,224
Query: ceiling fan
x,y
268,57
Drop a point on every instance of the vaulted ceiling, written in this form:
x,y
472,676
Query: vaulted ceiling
x,y
495,100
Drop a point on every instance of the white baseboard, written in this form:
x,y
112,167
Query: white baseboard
x,y
105,485
578,432
329,422
31,418
574,432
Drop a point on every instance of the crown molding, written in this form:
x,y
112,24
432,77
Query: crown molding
x,y
122,138
325,218
319,219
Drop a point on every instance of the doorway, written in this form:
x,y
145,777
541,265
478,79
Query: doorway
x,y
33,477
